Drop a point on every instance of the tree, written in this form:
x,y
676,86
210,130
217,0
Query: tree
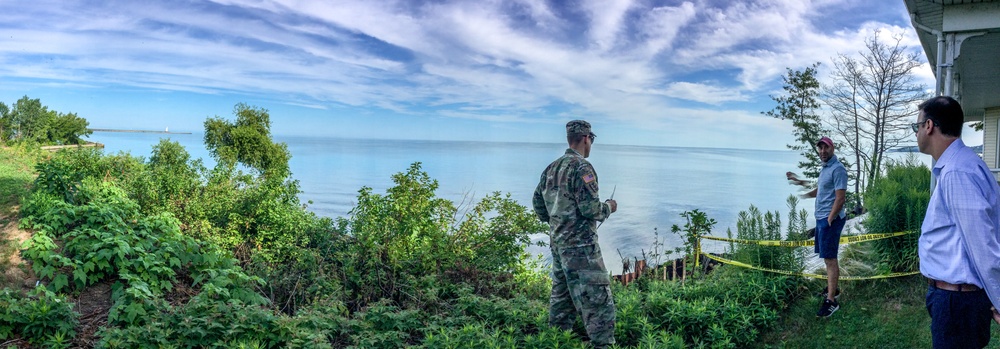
x,y
247,142
4,120
798,105
29,120
67,129
871,100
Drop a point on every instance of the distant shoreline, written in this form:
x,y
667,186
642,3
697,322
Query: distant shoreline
x,y
137,131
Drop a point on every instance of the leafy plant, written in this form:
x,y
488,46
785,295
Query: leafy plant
x,y
41,317
897,202
697,224
754,225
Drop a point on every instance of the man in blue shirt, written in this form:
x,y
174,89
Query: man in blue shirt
x,y
830,194
959,244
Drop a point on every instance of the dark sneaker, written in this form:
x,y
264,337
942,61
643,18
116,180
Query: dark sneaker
x,y
825,293
828,308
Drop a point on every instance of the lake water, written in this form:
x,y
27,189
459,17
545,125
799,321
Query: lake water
x,y
653,184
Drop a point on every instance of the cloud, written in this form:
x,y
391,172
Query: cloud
x,y
606,17
703,93
636,62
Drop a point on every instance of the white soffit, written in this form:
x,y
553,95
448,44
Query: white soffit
x,y
969,17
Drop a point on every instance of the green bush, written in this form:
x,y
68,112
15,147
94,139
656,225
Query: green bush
x,y
753,225
897,202
409,233
727,309
42,317
697,224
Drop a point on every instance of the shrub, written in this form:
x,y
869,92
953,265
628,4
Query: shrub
x,y
697,224
897,202
42,317
754,225
409,233
729,308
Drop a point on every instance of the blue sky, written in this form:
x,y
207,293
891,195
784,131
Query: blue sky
x,y
643,72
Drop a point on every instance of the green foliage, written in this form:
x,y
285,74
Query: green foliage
x,y
27,120
170,181
247,142
404,269
798,105
68,129
697,224
62,174
898,202
104,237
886,313
729,308
16,174
754,225
409,233
41,317
219,323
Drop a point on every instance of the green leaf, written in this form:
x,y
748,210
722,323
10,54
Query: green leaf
x,y
79,274
60,281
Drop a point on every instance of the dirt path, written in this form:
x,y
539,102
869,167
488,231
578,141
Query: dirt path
x,y
16,274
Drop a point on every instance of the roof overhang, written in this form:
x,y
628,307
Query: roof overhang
x,y
973,27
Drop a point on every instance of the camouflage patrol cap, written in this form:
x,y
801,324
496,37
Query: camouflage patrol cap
x,y
577,127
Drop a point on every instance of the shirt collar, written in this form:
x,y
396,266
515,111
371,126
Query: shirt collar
x,y
833,160
949,153
571,151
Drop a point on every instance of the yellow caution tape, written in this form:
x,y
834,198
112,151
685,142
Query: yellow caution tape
x,y
809,275
799,243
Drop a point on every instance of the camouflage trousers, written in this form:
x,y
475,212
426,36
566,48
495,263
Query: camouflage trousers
x,y
581,285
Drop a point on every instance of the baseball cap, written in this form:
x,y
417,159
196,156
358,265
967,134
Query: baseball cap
x,y
826,140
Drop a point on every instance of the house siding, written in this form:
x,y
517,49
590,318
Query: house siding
x,y
991,139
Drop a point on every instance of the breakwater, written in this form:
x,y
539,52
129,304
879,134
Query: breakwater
x,y
137,131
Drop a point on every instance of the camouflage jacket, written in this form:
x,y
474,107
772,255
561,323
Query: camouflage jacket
x,y
566,198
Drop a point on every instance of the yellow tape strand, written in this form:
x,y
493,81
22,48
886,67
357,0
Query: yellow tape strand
x,y
800,243
809,275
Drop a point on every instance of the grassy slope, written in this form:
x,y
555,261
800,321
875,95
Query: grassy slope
x,y
16,174
877,314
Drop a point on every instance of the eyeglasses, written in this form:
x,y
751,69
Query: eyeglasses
x,y
916,125
592,137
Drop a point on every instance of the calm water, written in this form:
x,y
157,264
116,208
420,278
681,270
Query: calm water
x,y
654,184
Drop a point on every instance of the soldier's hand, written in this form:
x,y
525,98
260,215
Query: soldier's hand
x,y
613,203
996,315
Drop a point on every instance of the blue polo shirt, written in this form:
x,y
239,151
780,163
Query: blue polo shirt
x,y
832,176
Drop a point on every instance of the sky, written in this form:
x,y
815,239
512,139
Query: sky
x,y
643,72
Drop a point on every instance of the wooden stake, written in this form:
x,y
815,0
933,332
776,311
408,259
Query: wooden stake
x,y
673,271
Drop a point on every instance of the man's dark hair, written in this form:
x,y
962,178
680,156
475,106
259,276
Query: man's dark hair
x,y
946,113
575,138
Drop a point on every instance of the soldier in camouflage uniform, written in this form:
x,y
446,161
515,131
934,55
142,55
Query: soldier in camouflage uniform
x,y
566,198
